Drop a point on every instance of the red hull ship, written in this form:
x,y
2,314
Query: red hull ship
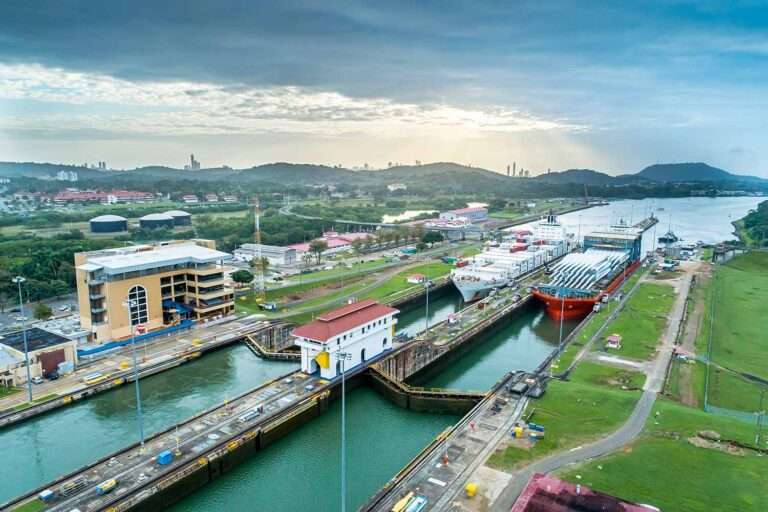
x,y
575,308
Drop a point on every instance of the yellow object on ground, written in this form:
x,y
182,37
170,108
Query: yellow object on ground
x,y
471,489
124,365
518,432
400,505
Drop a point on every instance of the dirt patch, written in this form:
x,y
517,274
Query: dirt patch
x,y
711,441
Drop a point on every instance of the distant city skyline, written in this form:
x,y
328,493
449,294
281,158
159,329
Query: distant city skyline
x,y
612,86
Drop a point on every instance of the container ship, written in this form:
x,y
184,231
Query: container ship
x,y
500,265
582,279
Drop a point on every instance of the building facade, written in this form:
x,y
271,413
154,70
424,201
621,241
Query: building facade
x,y
473,214
170,282
362,330
281,256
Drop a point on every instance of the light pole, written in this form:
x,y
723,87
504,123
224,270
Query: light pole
x,y
426,317
18,280
341,357
129,305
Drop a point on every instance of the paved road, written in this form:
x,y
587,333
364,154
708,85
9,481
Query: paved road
x,y
614,441
147,353
655,373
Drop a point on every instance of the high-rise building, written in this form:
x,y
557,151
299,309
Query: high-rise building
x,y
194,165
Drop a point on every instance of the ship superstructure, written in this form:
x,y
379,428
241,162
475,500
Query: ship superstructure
x,y
500,265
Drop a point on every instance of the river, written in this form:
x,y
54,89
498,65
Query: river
x,y
691,218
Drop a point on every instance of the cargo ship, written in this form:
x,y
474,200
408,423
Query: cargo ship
x,y
581,279
500,264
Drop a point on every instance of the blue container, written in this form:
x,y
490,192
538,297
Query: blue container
x,y
164,458
536,427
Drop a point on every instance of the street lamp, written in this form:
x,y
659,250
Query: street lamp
x,y
341,357
18,280
426,317
130,304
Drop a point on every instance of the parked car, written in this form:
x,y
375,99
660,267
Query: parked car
x,y
64,308
37,380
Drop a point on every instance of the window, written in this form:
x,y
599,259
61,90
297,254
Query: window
x,y
138,297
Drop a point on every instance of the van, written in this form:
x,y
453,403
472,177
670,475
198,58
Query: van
x,y
37,380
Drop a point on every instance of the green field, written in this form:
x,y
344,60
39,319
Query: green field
x,y
593,324
607,376
398,283
740,331
663,469
642,321
572,413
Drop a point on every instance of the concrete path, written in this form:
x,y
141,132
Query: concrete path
x,y
655,371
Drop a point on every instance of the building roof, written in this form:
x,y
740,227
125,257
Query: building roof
x,y
471,209
343,319
177,213
108,218
264,247
156,216
544,492
36,339
173,254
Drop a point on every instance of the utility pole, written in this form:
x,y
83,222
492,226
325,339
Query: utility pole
x,y
760,415
260,295
130,304
18,280
341,357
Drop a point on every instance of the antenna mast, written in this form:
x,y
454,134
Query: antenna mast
x,y
260,295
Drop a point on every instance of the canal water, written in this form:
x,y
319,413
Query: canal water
x,y
691,218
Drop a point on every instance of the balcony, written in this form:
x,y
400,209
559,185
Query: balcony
x,y
210,278
96,282
96,296
96,311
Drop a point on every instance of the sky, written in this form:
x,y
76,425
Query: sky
x,y
609,85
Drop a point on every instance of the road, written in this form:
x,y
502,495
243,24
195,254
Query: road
x,y
655,375
147,353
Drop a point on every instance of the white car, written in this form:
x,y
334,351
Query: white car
x,y
64,308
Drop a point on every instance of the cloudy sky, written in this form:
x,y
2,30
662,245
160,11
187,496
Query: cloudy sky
x,y
548,84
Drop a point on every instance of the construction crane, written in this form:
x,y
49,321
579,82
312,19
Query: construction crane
x,y
259,265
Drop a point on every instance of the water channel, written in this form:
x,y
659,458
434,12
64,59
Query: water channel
x,y
303,467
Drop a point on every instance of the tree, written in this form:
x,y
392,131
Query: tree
x,y
432,237
318,247
357,245
421,246
42,311
242,276
263,266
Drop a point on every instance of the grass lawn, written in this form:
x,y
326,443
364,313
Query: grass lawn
x,y
607,376
38,400
686,383
740,332
8,391
663,469
398,283
30,506
732,391
642,321
595,321
572,413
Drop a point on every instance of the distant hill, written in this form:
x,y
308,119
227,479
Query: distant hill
x,y
585,176
691,171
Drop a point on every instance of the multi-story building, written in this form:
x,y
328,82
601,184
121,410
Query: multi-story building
x,y
361,330
169,283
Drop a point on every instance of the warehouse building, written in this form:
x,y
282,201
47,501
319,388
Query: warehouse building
x,y
279,256
156,220
170,284
108,224
180,217
472,214
48,353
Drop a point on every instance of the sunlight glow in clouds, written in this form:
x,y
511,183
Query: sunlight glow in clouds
x,y
188,108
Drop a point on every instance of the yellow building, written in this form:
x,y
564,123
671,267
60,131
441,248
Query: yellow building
x,y
168,283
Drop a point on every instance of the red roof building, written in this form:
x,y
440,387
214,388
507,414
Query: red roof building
x,y
545,493
362,330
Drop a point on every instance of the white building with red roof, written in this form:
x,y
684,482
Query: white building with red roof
x,y
472,214
363,330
